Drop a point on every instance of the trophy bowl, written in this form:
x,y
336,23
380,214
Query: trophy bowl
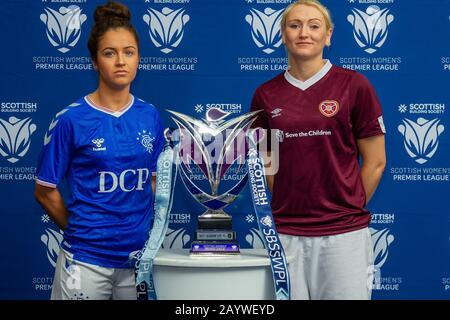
x,y
213,147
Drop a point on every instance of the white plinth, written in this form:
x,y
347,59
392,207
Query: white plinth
x,y
179,276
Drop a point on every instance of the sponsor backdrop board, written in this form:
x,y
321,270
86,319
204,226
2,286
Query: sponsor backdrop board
x,y
198,54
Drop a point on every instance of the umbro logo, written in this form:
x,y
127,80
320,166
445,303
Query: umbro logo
x,y
98,144
276,112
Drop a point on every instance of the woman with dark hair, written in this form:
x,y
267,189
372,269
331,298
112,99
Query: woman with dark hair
x,y
105,145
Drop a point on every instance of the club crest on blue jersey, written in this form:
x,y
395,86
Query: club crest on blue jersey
x,y
146,140
329,108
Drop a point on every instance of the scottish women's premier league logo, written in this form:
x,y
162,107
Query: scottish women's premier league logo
x,y
265,27
15,137
166,27
421,138
370,28
63,26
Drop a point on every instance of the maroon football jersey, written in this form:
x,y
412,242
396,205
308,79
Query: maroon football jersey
x,y
318,188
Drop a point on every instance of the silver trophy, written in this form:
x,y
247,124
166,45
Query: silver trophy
x,y
210,148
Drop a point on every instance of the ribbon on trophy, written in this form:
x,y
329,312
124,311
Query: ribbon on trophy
x,y
163,203
266,224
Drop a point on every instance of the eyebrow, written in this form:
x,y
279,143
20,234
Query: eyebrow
x,y
292,20
111,48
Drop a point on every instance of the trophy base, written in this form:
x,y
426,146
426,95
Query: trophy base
x,y
222,222
215,235
214,248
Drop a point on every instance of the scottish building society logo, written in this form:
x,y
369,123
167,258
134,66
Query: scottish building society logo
x,y
15,138
421,138
63,26
265,28
370,28
166,28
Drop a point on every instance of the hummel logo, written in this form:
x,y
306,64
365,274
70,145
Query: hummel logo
x,y
277,112
98,144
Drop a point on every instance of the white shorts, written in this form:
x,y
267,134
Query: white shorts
x,y
75,280
337,267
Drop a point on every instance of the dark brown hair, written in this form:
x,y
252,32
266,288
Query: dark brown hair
x,y
112,15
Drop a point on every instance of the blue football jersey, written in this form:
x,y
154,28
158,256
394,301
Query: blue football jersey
x,y
108,159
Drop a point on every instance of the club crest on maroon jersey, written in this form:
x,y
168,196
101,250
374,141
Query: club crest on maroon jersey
x,y
329,108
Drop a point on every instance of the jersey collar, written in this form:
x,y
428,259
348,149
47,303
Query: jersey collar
x,y
116,114
303,85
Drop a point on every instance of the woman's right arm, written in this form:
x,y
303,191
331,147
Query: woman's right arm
x,y
52,202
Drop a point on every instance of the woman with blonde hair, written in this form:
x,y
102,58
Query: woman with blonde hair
x,y
324,117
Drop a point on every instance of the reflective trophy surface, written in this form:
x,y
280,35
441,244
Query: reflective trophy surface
x,y
211,148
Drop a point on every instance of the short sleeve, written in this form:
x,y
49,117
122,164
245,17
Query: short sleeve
x,y
257,105
261,120
55,155
367,116
159,142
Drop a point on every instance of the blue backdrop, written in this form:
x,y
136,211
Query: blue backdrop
x,y
196,54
